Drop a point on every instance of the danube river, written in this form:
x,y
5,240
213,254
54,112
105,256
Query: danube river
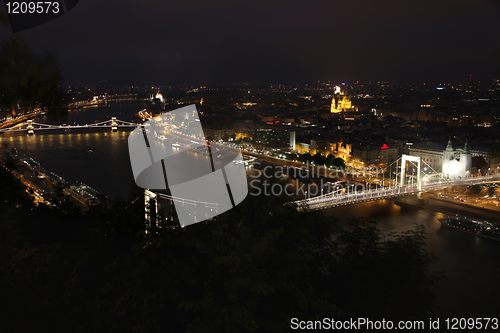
x,y
99,160
471,263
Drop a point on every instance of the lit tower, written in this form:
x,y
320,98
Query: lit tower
x,y
114,125
404,159
466,160
31,131
152,210
292,141
334,107
448,156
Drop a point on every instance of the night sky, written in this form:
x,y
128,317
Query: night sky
x,y
219,42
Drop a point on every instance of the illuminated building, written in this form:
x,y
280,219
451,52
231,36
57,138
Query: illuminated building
x,y
292,140
430,152
272,136
157,96
218,132
243,130
456,168
452,163
366,154
343,150
341,102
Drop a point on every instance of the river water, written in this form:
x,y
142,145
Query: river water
x,y
99,160
471,263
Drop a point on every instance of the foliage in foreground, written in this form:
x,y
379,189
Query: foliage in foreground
x,y
250,269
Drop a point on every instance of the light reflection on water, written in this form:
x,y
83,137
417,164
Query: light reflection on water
x,y
107,168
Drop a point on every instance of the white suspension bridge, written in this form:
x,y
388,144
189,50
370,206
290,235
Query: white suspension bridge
x,y
405,185
410,179
30,126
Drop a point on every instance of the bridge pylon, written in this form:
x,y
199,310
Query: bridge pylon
x,y
152,210
404,159
114,124
31,130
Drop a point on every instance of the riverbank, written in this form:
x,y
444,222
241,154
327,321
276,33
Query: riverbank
x,y
46,187
448,207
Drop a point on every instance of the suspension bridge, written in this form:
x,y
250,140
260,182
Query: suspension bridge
x,y
403,183
403,180
30,126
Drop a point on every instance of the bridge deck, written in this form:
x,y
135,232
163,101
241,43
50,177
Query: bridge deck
x,y
112,123
334,200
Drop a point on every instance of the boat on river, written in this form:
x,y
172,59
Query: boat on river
x,y
472,226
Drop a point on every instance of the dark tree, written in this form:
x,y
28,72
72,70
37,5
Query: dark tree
x,y
339,162
26,79
250,269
